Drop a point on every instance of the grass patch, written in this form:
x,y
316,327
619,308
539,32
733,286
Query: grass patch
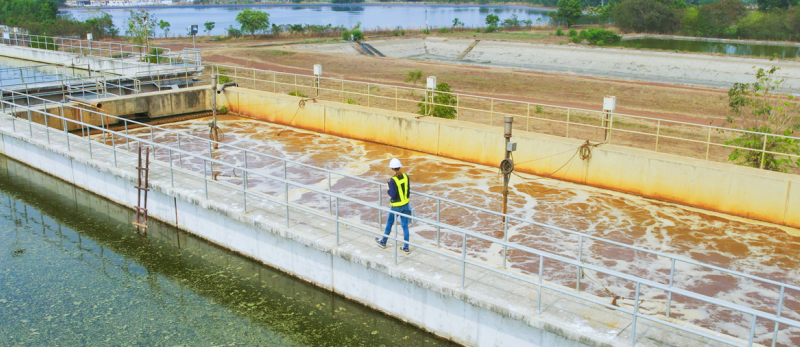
x,y
276,53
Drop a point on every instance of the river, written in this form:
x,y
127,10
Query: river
x,y
369,15
73,272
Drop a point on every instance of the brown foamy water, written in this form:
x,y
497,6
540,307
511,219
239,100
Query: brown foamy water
x,y
729,242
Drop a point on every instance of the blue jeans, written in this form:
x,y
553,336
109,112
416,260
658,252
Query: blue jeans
x,y
403,222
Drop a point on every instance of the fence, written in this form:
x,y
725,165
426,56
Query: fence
x,y
104,49
699,141
174,159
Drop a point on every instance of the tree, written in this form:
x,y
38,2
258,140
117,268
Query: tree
x,y
457,23
100,26
413,77
570,11
440,103
661,16
492,20
755,107
209,26
164,25
139,26
767,5
253,21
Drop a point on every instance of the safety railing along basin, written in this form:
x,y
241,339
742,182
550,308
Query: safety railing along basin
x,y
24,115
696,140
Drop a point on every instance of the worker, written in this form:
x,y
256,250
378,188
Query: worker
x,y
399,192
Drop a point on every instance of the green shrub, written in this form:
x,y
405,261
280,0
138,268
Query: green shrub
x,y
47,43
559,32
572,32
345,34
539,109
352,102
426,31
444,97
357,34
222,110
233,32
443,30
599,36
297,93
490,29
155,56
222,79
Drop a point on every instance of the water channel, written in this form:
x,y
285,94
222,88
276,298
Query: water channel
x,y
74,272
734,243
719,47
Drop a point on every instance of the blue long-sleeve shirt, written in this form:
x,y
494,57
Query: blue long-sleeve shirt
x,y
393,190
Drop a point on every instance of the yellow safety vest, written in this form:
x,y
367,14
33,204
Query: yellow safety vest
x,y
402,190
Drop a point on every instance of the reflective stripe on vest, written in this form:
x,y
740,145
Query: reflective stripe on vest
x,y
402,190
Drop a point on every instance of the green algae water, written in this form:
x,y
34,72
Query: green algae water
x,y
74,272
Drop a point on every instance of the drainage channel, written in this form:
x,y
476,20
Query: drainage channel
x,y
74,272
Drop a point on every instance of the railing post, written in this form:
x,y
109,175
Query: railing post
x,y
580,260
368,94
671,281
541,272
286,193
329,197
380,203
244,184
439,220
464,262
171,172
780,309
635,314
708,143
491,113
505,241
752,332
337,221
458,105
658,132
397,98
763,151
528,118
205,179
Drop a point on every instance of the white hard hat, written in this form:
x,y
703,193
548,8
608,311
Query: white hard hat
x,y
395,164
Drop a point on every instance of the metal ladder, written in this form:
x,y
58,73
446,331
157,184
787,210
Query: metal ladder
x,y
141,211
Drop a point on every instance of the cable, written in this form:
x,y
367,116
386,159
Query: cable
x,y
300,105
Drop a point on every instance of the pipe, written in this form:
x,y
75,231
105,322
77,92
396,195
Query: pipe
x,y
229,84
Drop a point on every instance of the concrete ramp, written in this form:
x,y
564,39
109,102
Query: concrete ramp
x,y
357,47
372,50
469,49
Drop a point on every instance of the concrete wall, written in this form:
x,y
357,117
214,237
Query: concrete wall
x,y
162,104
436,308
741,191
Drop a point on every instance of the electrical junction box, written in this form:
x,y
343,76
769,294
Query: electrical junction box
x,y
6,36
431,82
89,36
511,146
609,103
192,29
317,70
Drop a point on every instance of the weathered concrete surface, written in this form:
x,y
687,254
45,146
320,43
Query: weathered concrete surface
x,y
125,67
423,288
168,102
726,188
660,67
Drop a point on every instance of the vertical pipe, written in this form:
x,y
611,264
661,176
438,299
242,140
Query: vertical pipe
x,y
180,154
635,314
505,241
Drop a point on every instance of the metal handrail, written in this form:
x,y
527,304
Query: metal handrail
x,y
608,123
542,255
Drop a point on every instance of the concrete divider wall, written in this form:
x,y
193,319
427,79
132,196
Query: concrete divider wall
x,y
741,191
162,104
126,67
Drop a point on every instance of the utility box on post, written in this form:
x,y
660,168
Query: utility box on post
x,y
89,36
609,106
431,83
317,70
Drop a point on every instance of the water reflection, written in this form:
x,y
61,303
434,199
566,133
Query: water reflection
x,y
729,48
74,273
